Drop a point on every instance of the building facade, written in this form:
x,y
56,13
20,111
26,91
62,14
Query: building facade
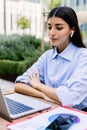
x,y
12,10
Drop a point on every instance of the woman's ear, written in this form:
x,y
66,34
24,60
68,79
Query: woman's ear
x,y
72,32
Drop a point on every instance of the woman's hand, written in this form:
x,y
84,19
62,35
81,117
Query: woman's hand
x,y
48,93
34,80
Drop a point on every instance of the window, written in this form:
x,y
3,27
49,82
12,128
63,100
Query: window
x,y
84,2
77,2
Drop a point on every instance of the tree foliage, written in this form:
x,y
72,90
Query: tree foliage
x,y
53,3
23,23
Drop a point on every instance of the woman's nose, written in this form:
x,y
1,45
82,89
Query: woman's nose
x,y
52,31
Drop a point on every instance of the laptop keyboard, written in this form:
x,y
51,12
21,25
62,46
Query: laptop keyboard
x,y
16,107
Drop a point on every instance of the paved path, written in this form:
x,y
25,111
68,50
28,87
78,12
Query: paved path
x,y
6,86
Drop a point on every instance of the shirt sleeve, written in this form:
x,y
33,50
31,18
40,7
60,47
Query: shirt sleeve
x,y
39,65
74,90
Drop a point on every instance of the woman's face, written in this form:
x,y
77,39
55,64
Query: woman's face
x,y
59,33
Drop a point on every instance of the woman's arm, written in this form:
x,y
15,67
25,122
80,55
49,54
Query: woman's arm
x,y
46,90
49,92
25,89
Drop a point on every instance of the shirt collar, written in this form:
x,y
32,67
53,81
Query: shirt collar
x,y
55,53
67,53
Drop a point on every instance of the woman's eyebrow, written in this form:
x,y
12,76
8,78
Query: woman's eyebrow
x,y
57,24
48,24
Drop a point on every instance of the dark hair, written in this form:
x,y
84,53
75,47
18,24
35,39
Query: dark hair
x,y
69,15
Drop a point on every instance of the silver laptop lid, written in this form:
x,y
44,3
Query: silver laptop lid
x,y
27,100
3,106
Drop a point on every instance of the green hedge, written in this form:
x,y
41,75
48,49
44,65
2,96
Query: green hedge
x,y
18,47
17,53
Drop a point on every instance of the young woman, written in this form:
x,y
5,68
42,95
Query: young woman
x,y
60,73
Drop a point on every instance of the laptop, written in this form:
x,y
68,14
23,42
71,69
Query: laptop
x,y
16,105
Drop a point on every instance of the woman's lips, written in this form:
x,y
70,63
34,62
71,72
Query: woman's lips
x,y
53,39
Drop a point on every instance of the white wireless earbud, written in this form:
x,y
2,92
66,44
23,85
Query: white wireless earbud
x,y
72,33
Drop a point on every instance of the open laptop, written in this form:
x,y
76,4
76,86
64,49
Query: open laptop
x,y
16,105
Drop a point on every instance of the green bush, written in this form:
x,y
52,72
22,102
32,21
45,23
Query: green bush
x,y
8,67
18,53
18,67
17,48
